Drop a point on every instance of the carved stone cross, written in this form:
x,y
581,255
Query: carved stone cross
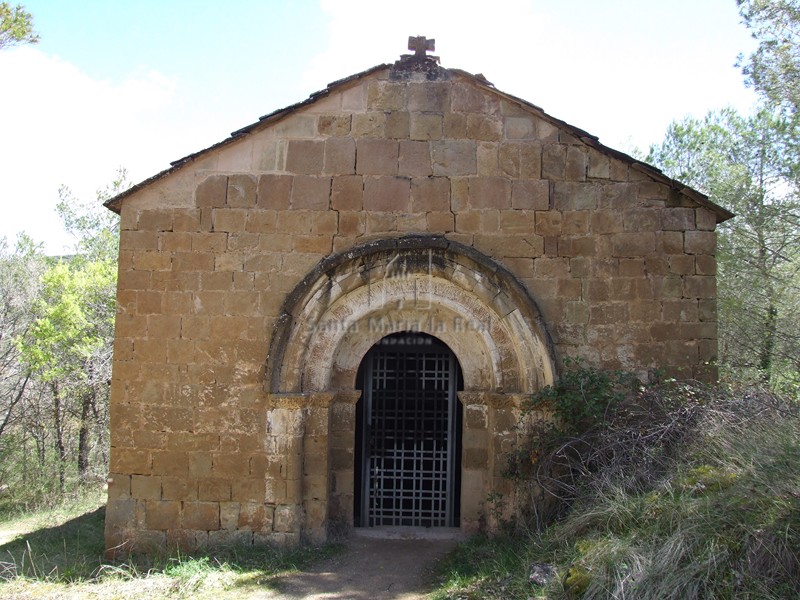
x,y
420,45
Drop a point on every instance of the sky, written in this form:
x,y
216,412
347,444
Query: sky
x,y
136,84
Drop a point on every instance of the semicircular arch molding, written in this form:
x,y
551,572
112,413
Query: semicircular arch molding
x,y
422,284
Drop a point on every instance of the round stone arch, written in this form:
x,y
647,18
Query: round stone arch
x,y
341,309
415,283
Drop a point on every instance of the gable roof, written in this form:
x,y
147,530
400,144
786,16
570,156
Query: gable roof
x,y
722,214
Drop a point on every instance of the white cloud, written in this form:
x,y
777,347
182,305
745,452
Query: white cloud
x,y
63,127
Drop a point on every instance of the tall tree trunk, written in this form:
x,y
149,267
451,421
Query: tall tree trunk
x,y
100,425
14,402
768,344
83,438
59,434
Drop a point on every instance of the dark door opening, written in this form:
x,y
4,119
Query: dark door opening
x,y
408,434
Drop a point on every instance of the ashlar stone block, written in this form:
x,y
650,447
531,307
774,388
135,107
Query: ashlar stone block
x,y
414,159
489,192
311,193
430,194
424,126
456,157
241,191
530,194
377,157
387,194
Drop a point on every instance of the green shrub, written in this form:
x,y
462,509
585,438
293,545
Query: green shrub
x,y
583,397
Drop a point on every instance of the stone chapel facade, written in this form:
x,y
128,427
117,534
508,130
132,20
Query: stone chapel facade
x,y
330,319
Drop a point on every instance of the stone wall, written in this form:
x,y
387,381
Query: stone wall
x,y
616,261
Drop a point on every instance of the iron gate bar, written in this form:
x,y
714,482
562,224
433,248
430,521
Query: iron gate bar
x,y
409,441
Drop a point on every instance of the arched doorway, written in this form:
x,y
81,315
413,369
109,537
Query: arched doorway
x,y
340,311
408,434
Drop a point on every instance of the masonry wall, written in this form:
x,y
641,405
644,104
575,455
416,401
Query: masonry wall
x,y
620,264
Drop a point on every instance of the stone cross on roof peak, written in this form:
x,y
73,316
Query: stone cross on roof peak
x,y
420,45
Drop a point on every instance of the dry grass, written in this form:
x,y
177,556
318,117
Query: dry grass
x,y
690,492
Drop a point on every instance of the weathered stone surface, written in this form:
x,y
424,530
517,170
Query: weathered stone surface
x,y
430,194
347,193
454,158
424,126
415,159
385,95
340,156
312,193
377,157
212,192
162,514
700,242
305,156
490,192
203,516
530,194
387,194
429,97
274,191
334,125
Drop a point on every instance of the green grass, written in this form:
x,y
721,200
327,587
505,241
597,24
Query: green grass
x,y
58,553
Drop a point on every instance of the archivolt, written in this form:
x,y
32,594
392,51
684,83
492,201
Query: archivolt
x,y
415,283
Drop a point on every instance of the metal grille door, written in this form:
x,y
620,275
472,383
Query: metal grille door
x,y
409,427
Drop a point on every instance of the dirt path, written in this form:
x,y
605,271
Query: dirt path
x,y
370,569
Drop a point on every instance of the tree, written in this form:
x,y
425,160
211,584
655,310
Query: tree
x,y
70,342
19,286
56,336
16,26
68,348
748,165
774,68
94,228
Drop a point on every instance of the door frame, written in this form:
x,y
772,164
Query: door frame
x,y
411,343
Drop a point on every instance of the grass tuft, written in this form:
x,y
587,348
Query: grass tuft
x,y
700,500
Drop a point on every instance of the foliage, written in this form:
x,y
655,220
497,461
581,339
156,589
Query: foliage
x,y
19,287
582,397
748,165
73,320
774,67
56,343
94,227
557,426
693,494
16,26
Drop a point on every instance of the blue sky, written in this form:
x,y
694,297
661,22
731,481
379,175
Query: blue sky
x,y
138,83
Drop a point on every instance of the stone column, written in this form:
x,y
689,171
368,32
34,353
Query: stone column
x,y
504,426
316,466
474,460
284,484
342,462
490,434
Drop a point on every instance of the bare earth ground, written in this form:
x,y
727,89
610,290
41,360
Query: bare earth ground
x,y
369,569
375,565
